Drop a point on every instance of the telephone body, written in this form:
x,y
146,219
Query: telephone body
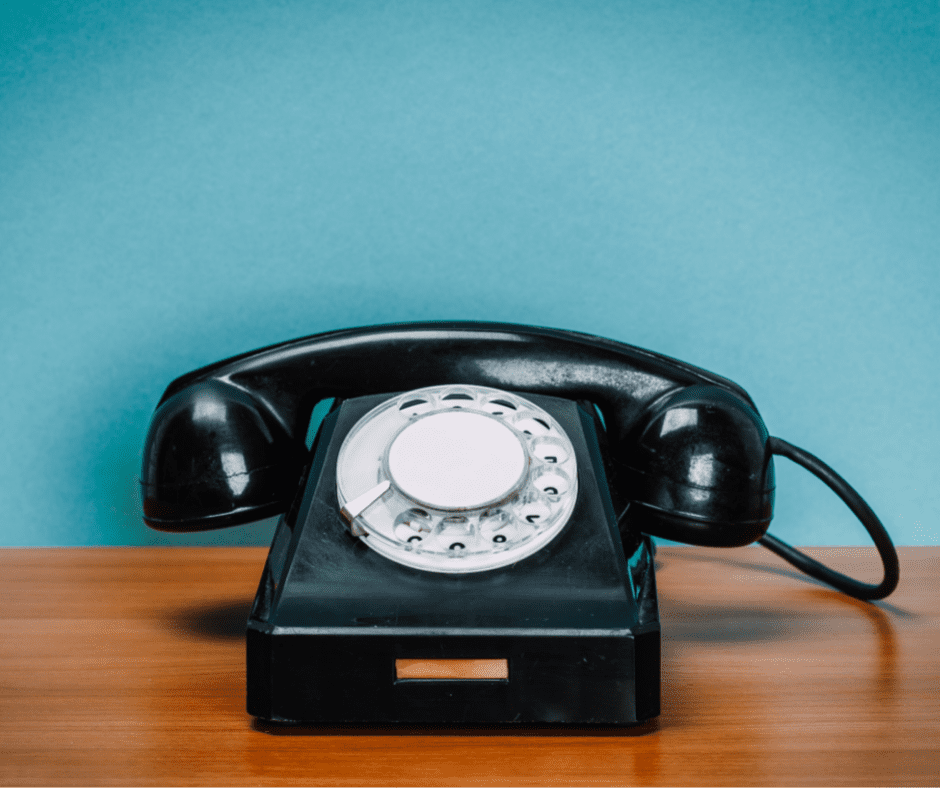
x,y
478,502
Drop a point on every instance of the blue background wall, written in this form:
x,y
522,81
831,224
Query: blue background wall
x,y
754,188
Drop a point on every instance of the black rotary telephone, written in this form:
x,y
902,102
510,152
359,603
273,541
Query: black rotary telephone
x,y
468,538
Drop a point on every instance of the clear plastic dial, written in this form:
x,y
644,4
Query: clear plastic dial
x,y
457,479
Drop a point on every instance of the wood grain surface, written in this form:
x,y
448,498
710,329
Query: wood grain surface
x,y
126,666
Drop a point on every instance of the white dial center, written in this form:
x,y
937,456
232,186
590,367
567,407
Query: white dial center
x,y
457,460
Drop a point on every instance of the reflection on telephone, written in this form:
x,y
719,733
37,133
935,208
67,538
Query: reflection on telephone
x,y
467,540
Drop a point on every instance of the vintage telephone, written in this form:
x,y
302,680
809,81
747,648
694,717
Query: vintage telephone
x,y
467,540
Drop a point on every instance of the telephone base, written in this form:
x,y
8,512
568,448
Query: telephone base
x,y
573,630
561,678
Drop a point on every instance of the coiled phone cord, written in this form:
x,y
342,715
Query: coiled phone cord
x,y
812,567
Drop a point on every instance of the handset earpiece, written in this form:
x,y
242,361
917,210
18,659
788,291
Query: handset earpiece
x,y
699,470
215,457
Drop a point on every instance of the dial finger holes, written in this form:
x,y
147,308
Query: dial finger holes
x,y
532,425
499,407
553,483
454,533
458,398
550,452
535,513
496,528
415,406
412,526
493,521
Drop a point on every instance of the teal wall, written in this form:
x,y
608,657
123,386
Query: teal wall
x,y
753,188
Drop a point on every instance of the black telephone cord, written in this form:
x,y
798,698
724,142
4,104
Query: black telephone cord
x,y
812,567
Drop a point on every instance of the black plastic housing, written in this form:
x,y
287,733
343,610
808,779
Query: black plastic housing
x,y
578,621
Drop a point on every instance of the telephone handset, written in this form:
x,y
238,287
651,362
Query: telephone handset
x,y
464,470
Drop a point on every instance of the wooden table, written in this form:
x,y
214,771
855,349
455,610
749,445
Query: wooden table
x,y
125,665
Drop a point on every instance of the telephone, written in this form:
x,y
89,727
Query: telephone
x,y
468,539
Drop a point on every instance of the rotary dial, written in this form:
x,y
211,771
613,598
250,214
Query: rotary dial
x,y
457,478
